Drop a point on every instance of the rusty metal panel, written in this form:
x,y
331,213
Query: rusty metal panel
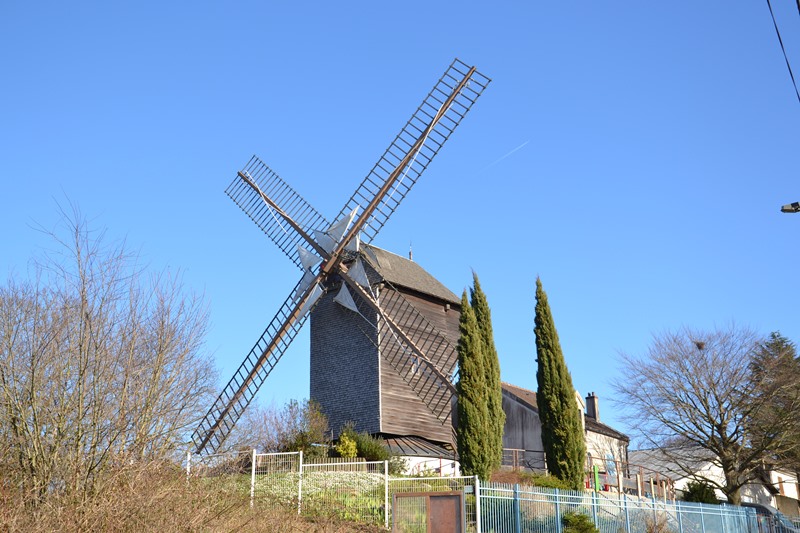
x,y
436,512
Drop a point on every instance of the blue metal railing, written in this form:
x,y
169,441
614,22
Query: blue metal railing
x,y
521,509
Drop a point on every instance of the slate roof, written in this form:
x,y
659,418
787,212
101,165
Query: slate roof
x,y
528,397
402,272
415,447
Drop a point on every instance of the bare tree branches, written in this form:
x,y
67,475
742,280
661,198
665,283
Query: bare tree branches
x,y
99,363
694,396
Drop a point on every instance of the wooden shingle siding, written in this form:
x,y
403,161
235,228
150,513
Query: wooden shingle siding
x,y
344,368
403,413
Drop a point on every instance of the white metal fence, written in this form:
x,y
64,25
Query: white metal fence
x,y
363,491
357,490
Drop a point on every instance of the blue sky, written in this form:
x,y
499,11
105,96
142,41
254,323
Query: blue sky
x,y
633,154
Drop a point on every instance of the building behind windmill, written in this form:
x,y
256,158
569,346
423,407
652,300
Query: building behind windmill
x,y
353,381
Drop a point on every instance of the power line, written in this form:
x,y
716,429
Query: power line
x,y
783,48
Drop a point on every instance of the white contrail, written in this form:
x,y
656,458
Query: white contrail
x,y
520,147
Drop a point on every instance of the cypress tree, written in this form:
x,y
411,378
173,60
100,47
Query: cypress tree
x,y
491,368
473,415
562,431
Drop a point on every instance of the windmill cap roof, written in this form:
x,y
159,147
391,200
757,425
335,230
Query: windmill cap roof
x,y
403,272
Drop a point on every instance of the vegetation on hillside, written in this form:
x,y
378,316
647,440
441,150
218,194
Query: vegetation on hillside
x,y
100,366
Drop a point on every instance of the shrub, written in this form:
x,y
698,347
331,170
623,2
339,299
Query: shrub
x,y
372,449
548,481
346,447
700,491
578,523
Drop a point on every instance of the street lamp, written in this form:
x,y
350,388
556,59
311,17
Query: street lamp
x,y
791,208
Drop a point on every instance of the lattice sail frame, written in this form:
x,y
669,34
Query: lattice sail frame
x,y
389,181
403,145
432,377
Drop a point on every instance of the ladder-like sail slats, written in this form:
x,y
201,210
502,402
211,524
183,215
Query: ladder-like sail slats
x,y
266,217
428,387
248,378
416,159
425,336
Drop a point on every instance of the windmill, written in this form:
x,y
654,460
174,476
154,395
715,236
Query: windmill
x,y
336,256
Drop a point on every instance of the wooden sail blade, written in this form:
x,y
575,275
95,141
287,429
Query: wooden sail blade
x,y
399,347
289,221
398,169
248,378
430,341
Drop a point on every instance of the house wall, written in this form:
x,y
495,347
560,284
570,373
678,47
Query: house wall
x,y
752,492
785,482
523,429
599,446
708,472
787,499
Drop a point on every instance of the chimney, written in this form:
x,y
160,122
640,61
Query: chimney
x,y
593,407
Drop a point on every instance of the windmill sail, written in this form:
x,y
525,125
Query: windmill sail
x,y
417,143
266,217
413,347
262,358
295,227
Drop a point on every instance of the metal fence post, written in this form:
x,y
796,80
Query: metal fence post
x,y
559,525
594,508
655,514
702,520
188,465
517,517
386,494
477,505
680,516
627,514
253,479
300,483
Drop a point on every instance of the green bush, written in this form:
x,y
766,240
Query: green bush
x,y
700,491
346,447
371,449
578,523
546,481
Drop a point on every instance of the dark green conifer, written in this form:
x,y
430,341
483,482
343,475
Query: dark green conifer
x,y
562,428
491,367
473,415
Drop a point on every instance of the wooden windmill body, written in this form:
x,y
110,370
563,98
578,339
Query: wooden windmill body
x,y
414,360
352,378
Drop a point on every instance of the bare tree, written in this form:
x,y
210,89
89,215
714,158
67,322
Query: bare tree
x,y
693,395
299,425
99,364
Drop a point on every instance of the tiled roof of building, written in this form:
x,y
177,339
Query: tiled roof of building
x,y
526,396
529,397
402,272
